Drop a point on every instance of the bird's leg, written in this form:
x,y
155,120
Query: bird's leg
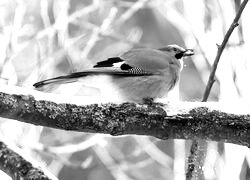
x,y
155,106
148,101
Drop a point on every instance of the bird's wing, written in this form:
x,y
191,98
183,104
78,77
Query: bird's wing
x,y
118,66
135,62
151,60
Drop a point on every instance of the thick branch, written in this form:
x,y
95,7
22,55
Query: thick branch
x,y
17,167
220,50
129,118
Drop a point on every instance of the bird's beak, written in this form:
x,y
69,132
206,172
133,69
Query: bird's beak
x,y
188,52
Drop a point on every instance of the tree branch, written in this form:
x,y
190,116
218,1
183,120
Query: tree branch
x,y
16,166
158,120
220,50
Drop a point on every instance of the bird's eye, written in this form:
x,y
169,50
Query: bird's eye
x,y
174,49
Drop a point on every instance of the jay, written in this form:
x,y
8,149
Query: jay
x,y
138,74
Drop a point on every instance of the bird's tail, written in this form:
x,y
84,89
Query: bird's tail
x,y
61,79
95,71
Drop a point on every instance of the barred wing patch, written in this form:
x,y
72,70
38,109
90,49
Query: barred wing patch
x,y
139,71
133,70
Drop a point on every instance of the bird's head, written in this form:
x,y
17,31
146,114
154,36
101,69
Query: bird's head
x,y
177,51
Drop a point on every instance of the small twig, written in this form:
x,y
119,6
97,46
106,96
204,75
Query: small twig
x,y
198,147
220,50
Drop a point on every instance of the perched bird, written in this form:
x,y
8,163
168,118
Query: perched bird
x,y
138,74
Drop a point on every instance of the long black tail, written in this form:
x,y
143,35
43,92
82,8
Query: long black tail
x,y
95,71
74,76
62,79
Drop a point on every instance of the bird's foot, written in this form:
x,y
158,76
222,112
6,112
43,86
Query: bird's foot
x,y
156,106
148,101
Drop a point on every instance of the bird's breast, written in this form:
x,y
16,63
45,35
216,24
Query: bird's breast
x,y
136,88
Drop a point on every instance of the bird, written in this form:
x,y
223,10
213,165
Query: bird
x,y
139,74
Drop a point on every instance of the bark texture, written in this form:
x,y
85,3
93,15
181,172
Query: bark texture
x,y
129,118
17,167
